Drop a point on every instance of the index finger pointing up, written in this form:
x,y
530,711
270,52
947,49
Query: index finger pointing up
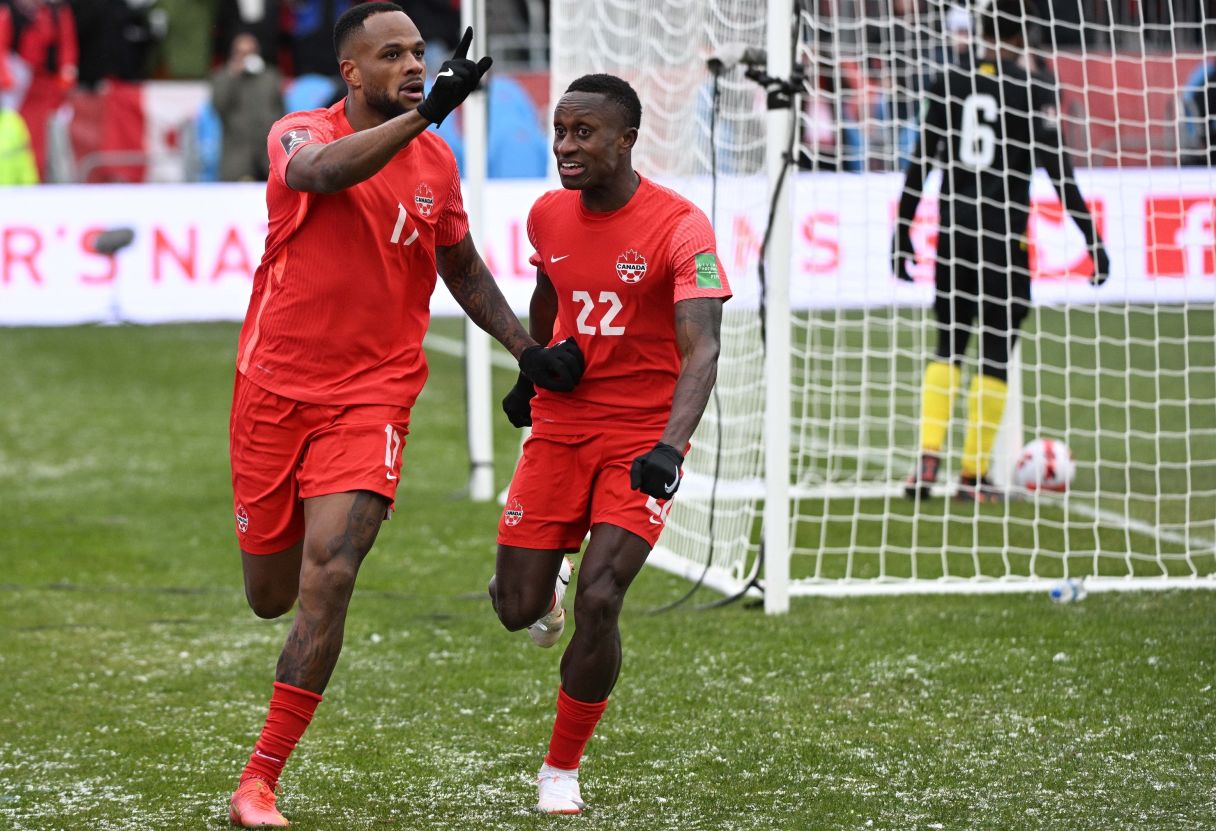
x,y
462,51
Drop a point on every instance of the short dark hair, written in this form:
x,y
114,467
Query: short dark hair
x,y
1008,20
352,20
616,90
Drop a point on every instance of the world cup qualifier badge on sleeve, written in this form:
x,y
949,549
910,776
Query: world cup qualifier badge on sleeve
x,y
707,272
294,138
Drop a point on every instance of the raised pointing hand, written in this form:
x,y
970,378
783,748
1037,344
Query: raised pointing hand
x,y
458,77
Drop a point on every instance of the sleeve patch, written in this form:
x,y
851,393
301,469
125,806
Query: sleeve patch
x,y
294,138
707,272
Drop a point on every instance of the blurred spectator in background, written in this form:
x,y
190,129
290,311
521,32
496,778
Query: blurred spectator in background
x,y
115,39
310,27
261,18
14,72
17,165
247,94
41,34
186,31
1199,115
310,30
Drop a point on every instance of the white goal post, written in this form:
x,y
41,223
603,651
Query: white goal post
x,y
794,485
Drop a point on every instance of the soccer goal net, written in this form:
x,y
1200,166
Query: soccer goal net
x,y
796,480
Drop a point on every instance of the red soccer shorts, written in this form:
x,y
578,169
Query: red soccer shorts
x,y
284,451
563,485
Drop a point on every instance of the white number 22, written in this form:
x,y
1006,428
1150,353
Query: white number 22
x,y
606,327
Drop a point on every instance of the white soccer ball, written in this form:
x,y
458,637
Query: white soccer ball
x,y
1045,465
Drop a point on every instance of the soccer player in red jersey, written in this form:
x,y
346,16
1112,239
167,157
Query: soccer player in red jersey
x,y
629,270
364,209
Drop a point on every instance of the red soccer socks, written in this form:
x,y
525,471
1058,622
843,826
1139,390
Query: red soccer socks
x,y
572,729
291,710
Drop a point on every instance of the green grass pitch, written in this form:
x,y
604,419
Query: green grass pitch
x,y
134,679
1131,389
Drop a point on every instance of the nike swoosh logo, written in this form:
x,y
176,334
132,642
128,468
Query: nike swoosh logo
x,y
558,259
654,521
447,73
671,486
392,477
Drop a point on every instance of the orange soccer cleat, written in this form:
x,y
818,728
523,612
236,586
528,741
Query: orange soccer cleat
x,y
252,806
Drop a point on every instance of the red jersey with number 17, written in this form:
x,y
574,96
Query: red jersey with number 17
x,y
342,297
618,276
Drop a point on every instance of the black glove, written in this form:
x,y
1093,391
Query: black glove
x,y
657,473
456,79
557,368
902,255
518,402
1101,263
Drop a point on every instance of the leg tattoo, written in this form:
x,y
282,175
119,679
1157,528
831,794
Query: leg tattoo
x,y
327,581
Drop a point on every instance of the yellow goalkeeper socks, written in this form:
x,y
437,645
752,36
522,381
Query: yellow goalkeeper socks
x,y
985,407
936,402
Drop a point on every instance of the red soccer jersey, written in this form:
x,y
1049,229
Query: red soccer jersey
x,y
618,276
342,297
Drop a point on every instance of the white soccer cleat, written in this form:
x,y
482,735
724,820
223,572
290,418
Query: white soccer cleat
x,y
558,791
548,630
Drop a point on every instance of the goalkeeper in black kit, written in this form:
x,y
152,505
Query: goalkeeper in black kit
x,y
989,123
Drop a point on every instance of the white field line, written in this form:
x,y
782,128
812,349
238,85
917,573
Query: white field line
x,y
1108,517
1073,505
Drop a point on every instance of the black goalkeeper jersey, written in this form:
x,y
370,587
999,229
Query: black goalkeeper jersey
x,y
982,125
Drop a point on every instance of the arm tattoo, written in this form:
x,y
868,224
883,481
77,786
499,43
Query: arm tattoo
x,y
473,286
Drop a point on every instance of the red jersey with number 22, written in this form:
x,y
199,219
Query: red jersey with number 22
x,y
342,297
618,276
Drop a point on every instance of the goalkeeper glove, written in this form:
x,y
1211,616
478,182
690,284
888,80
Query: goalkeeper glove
x,y
902,255
1101,263
458,77
518,402
558,367
657,473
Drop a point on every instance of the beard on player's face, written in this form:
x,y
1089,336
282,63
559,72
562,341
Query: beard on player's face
x,y
384,102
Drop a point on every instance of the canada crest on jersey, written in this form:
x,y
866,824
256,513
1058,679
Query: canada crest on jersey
x,y
631,266
424,198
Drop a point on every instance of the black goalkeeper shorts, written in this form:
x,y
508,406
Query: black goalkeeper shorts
x,y
990,299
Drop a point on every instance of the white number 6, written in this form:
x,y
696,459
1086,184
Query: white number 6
x,y
978,147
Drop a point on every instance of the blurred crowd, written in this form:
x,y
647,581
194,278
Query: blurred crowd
x,y
868,64
185,39
1119,66
49,48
